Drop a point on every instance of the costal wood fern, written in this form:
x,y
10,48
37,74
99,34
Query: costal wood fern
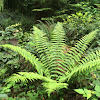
x,y
54,66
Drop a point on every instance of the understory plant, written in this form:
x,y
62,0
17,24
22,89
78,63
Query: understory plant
x,y
55,66
90,94
79,24
92,90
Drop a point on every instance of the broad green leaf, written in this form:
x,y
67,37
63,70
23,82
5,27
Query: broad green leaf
x,y
80,91
97,88
88,93
89,96
97,93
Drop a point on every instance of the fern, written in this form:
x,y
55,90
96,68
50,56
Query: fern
x,y
47,28
54,66
28,56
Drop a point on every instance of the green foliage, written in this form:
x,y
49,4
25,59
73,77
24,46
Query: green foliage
x,y
78,25
13,34
87,6
38,8
11,62
47,27
54,66
6,18
10,18
89,93
96,76
9,59
10,32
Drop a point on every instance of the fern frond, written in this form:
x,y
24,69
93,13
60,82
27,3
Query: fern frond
x,y
90,57
28,56
41,41
49,84
47,27
73,56
92,61
85,67
56,50
58,35
82,68
25,76
42,46
43,27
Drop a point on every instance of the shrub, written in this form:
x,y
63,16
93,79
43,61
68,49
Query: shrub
x,y
79,24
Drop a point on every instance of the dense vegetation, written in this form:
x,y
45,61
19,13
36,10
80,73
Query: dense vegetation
x,y
49,49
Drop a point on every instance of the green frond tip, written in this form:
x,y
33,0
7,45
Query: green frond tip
x,y
58,34
38,31
87,38
25,76
54,86
27,55
91,35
